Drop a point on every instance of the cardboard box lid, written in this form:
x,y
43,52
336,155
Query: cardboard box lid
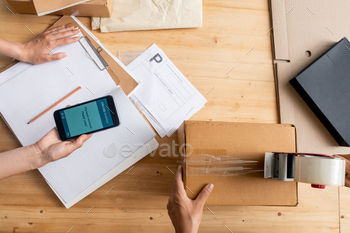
x,y
49,6
248,141
302,31
97,8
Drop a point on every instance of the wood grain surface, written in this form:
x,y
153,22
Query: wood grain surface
x,y
234,34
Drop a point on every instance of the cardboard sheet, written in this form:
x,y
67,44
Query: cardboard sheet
x,y
151,14
302,31
243,141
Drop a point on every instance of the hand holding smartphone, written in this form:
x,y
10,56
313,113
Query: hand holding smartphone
x,y
86,118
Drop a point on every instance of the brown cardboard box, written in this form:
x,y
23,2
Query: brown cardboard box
x,y
302,31
248,142
98,8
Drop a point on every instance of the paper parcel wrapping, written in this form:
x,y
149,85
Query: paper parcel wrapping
x,y
131,15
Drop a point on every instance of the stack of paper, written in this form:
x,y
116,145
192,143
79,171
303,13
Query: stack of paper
x,y
164,95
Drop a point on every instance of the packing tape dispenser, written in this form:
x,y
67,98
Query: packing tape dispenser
x,y
316,169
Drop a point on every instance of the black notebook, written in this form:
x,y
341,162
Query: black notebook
x,y
325,87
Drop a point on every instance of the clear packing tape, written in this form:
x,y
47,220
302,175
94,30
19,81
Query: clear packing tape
x,y
220,165
319,170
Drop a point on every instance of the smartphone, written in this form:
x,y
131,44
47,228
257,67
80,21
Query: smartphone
x,y
86,118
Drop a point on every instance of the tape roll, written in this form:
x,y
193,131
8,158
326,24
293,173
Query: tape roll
x,y
319,170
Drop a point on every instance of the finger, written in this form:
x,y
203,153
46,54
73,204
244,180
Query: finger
x,y
347,183
65,34
53,30
178,185
347,162
63,30
204,194
54,57
347,166
65,41
178,177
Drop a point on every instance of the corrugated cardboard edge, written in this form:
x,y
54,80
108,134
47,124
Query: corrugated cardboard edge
x,y
279,30
296,149
181,134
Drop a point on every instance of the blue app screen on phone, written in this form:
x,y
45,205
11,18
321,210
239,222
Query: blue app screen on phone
x,y
86,118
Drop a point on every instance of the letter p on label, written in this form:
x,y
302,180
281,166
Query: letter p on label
x,y
157,58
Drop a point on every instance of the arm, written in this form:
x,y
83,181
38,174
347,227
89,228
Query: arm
x,y
47,149
186,214
37,50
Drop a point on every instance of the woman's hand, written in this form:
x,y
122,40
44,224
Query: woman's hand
x,y
51,148
38,50
186,214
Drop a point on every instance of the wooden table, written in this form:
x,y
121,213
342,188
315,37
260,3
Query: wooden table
x,y
234,34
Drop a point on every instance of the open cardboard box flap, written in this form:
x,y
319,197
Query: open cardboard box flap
x,y
98,8
53,5
302,31
245,141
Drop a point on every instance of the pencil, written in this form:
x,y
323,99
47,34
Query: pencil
x,y
55,104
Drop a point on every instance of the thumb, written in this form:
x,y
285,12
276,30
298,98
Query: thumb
x,y
204,194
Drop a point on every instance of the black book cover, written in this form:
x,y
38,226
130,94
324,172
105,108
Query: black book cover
x,y
325,87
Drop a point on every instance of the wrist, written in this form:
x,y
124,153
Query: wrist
x,y
38,160
17,51
21,52
187,227
13,49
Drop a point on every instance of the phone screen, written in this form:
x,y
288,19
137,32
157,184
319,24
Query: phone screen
x,y
86,118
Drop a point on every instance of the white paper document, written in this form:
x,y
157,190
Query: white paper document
x,y
164,94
